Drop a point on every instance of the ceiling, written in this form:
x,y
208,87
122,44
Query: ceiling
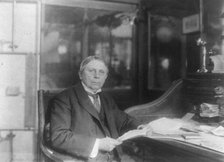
x,y
64,10
176,8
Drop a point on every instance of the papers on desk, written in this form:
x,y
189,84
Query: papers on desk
x,y
181,130
189,136
133,134
209,110
219,131
189,132
163,126
178,129
166,126
205,128
210,141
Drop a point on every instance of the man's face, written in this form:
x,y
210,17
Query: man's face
x,y
94,75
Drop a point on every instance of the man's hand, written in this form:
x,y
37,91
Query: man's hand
x,y
108,144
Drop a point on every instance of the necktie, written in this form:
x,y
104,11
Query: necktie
x,y
96,102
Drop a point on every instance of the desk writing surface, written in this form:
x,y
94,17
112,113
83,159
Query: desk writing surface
x,y
168,150
173,150
203,147
203,141
189,131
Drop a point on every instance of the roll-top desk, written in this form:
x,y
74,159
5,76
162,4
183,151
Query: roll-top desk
x,y
182,97
199,87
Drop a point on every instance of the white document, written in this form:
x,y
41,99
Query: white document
x,y
162,126
219,131
165,126
133,134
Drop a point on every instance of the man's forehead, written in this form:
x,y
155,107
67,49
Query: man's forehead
x,y
96,63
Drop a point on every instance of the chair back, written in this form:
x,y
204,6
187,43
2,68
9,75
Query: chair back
x,y
44,96
46,154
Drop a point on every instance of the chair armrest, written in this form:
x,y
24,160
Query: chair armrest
x,y
57,157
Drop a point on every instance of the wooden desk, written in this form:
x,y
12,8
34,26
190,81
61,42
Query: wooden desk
x,y
207,147
146,149
179,99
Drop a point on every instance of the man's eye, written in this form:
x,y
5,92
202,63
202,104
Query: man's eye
x,y
90,70
102,72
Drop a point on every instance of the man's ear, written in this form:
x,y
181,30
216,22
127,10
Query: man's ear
x,y
80,76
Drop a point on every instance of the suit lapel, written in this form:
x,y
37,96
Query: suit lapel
x,y
109,117
111,123
87,104
85,101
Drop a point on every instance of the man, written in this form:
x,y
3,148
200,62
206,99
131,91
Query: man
x,y
87,126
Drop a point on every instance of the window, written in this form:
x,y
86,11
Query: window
x,y
165,53
73,33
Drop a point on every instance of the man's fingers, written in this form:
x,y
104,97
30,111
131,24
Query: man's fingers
x,y
114,142
108,144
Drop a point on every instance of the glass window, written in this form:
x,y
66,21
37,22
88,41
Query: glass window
x,y
165,55
72,33
113,41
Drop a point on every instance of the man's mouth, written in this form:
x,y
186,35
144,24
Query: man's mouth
x,y
95,83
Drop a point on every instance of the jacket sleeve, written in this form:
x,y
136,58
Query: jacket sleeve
x,y
124,122
63,139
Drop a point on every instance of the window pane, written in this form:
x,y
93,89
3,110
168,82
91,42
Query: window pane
x,y
61,47
113,41
165,56
71,34
6,26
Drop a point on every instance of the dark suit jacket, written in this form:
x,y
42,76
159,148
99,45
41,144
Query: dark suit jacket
x,y
75,123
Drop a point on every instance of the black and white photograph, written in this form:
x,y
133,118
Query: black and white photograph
x,y
111,80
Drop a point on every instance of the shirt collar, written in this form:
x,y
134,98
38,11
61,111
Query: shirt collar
x,y
89,90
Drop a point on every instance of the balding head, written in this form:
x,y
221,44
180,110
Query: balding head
x,y
93,72
89,59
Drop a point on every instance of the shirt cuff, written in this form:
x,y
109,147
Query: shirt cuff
x,y
95,149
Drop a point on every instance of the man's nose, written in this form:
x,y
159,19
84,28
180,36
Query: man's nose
x,y
96,74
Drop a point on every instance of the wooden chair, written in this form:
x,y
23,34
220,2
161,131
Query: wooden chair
x,y
46,154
